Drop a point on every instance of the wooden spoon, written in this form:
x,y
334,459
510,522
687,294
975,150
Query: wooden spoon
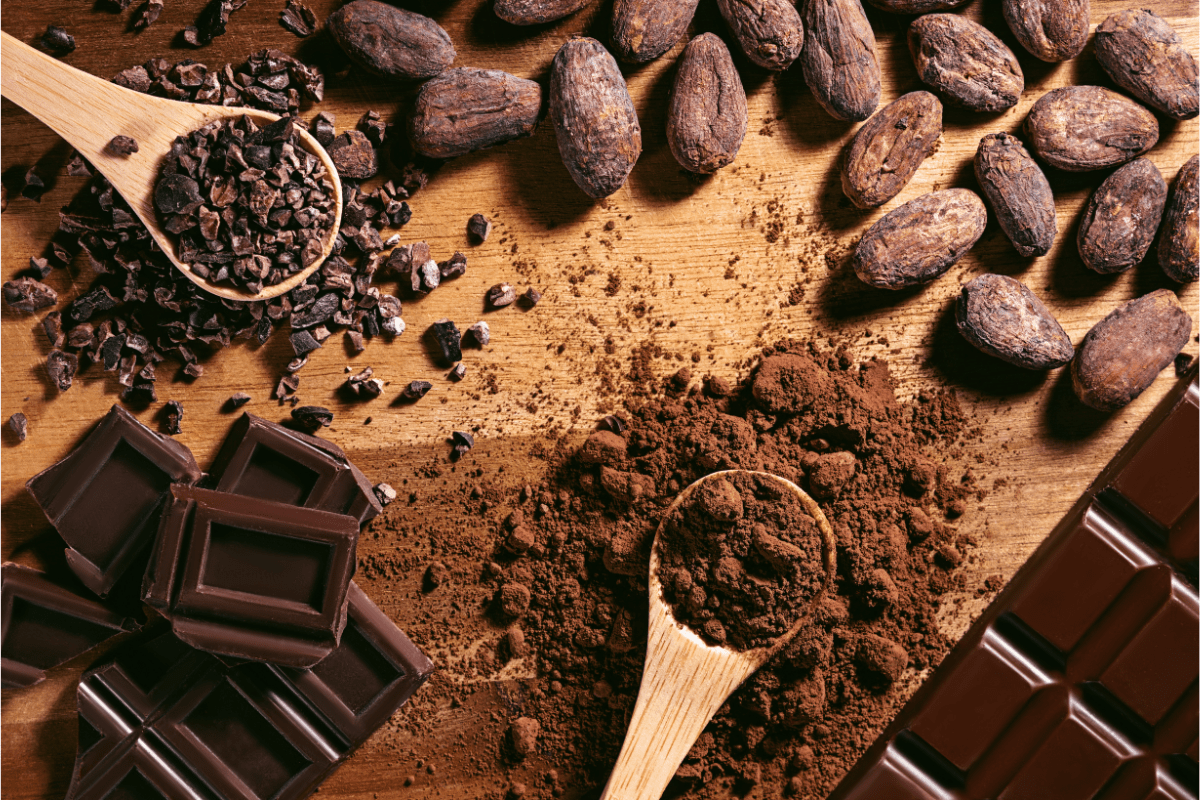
x,y
686,680
88,112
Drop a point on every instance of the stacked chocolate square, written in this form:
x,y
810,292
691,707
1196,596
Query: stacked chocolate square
x,y
276,665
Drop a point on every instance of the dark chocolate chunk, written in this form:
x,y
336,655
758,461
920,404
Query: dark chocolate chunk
x,y
613,424
123,145
61,367
363,385
236,401
501,295
454,267
147,14
458,372
303,342
298,18
34,187
462,442
211,22
322,128
250,578
27,294
448,341
58,41
479,228
480,333
415,390
384,493
105,498
18,425
313,417
530,298
46,624
173,418
177,194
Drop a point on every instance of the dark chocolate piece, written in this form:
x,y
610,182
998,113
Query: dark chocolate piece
x,y
105,498
270,462
250,578
173,721
45,624
1079,681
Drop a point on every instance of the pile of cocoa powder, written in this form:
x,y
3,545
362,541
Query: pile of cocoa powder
x,y
562,596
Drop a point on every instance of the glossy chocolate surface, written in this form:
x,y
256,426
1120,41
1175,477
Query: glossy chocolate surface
x,y
252,578
1080,680
106,497
45,624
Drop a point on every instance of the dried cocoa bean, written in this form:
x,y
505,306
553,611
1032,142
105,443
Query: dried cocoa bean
x,y
390,41
915,6
597,128
1122,217
1018,192
1003,318
536,12
769,32
840,65
645,29
1179,243
920,240
706,115
1081,128
966,62
1052,30
1145,56
1126,350
887,150
463,110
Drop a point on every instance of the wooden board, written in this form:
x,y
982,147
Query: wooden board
x,y
707,270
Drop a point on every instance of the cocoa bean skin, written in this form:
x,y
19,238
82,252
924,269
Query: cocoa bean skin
x,y
966,62
889,148
536,12
645,29
1052,30
915,6
1126,350
390,41
769,32
1082,128
1018,193
706,114
463,110
1003,318
1145,56
597,128
840,64
920,240
1121,217
1179,243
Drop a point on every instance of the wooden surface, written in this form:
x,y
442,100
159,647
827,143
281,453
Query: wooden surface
x,y
705,270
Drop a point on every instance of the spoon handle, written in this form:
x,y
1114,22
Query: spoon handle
x,y
683,685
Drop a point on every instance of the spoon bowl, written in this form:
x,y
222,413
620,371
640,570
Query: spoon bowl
x,y
88,112
685,679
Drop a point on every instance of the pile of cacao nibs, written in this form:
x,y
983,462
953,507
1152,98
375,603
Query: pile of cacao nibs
x,y
251,205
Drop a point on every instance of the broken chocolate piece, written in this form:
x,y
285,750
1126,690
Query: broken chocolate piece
x,y
416,390
19,426
531,298
448,341
480,333
384,493
172,417
58,41
62,367
458,372
479,228
27,294
123,145
363,386
313,417
298,18
34,187
236,401
462,442
501,295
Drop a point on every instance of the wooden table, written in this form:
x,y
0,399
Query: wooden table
x,y
713,267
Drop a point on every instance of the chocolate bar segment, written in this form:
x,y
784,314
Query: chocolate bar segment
x,y
105,498
264,460
169,720
1080,681
45,624
251,578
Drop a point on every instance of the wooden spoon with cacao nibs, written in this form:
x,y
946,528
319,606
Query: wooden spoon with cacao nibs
x,y
90,112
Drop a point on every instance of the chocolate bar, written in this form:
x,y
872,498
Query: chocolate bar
x,y
265,460
164,720
105,498
45,624
1080,680
252,578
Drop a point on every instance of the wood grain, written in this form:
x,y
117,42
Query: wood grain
x,y
707,269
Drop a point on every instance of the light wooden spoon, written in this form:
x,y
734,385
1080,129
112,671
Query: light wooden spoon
x,y
686,680
88,112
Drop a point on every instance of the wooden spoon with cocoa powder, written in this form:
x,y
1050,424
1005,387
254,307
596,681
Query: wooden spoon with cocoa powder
x,y
88,112
686,680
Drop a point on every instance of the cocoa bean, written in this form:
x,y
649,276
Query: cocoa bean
x,y
966,62
887,150
536,12
463,110
1121,217
390,41
706,114
1179,242
1052,30
1081,128
1003,318
1145,56
1125,351
769,32
645,29
915,6
598,134
920,240
840,64
1018,192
